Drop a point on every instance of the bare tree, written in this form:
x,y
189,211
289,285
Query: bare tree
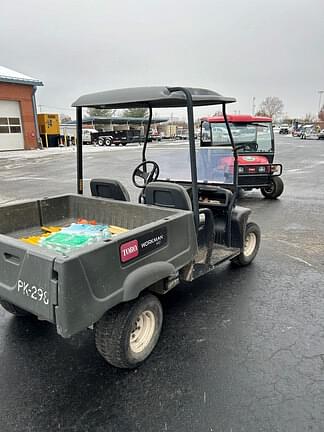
x,y
65,118
272,106
309,118
321,114
100,112
135,112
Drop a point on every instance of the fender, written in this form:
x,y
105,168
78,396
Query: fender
x,y
144,277
240,216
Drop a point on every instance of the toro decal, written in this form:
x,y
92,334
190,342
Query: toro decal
x,y
143,245
128,251
249,158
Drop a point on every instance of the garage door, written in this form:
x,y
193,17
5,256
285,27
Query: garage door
x,y
11,133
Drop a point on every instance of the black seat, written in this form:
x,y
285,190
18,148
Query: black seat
x,y
169,195
107,188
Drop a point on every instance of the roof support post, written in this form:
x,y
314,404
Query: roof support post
x,y
147,134
235,174
192,149
79,150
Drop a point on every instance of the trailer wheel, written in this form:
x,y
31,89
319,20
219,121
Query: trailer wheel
x,y
274,189
14,310
127,334
251,245
108,141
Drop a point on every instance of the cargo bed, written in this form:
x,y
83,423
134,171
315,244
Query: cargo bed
x,y
73,291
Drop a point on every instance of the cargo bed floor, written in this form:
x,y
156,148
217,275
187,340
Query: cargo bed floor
x,y
37,230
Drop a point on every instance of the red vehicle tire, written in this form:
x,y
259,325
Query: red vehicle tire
x,y
274,189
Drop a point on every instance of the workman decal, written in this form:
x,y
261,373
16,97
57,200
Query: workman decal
x,y
143,245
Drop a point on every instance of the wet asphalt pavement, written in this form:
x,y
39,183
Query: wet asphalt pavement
x,y
241,349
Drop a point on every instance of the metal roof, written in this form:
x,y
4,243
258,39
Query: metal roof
x,y
238,118
116,120
13,77
156,97
134,120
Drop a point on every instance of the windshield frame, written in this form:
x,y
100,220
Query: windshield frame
x,y
239,145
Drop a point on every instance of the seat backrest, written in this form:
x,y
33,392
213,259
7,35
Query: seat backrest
x,y
107,188
166,194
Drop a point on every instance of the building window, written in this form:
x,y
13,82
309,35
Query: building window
x,y
10,125
15,129
14,121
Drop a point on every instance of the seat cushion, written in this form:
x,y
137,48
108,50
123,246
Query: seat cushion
x,y
166,194
109,188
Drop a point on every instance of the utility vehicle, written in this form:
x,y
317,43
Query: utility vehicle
x,y
185,224
284,129
254,140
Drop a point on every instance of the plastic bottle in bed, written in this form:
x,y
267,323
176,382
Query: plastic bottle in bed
x,y
98,232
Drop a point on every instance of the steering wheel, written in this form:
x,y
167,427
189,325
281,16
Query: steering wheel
x,y
148,171
252,147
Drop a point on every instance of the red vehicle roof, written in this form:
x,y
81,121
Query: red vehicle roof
x,y
238,118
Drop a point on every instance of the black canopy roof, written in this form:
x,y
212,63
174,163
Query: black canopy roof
x,y
156,97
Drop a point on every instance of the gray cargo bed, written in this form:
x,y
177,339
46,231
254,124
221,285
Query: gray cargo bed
x,y
74,291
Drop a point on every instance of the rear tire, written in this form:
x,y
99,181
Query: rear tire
x,y
14,310
251,245
127,334
274,190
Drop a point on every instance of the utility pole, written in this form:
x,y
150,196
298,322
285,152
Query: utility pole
x,y
253,105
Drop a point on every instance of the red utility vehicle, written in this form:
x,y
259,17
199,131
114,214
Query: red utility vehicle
x,y
254,141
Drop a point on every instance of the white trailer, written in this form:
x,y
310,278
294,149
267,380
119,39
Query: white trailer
x,y
68,131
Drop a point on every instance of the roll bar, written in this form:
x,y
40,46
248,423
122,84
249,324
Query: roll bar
x,y
192,149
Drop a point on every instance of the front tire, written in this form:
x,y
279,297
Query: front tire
x,y
127,334
251,245
14,310
274,189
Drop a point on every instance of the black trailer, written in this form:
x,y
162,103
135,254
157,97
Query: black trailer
x,y
185,223
121,137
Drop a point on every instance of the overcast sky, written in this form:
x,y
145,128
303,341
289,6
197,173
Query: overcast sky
x,y
240,48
